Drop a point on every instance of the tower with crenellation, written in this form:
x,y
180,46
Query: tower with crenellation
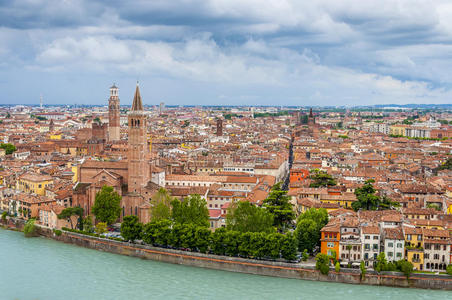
x,y
114,133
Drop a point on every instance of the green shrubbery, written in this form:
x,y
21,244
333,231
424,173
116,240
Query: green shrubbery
x,y
449,270
4,215
322,263
337,267
30,229
403,266
57,232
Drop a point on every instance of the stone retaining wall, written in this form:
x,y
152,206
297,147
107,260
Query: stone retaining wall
x,y
267,268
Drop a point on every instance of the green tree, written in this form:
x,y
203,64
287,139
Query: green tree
x,y
322,263
308,228
4,215
246,217
101,227
382,263
289,247
161,205
277,203
231,242
202,239
305,255
449,270
304,119
307,234
362,267
273,244
106,206
366,197
321,179
68,212
9,148
405,267
131,228
157,233
192,210
337,267
88,224
217,241
30,228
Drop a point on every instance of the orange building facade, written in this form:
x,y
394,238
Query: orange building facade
x,y
298,175
329,241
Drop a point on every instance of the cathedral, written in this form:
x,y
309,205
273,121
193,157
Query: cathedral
x,y
129,177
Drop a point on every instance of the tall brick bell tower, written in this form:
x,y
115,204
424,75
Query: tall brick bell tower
x,y
113,115
138,165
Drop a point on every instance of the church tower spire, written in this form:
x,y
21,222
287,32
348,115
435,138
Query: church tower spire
x,y
138,166
137,104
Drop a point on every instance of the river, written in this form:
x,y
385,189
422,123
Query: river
x,y
43,269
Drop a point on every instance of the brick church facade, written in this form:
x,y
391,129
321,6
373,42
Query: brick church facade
x,y
129,177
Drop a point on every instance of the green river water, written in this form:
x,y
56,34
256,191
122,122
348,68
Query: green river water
x,y
38,268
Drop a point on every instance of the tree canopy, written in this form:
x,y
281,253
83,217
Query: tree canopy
x,y
192,210
131,228
367,198
277,203
9,148
68,212
321,179
161,205
308,229
106,206
246,217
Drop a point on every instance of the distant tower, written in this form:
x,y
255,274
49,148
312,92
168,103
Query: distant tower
x,y
40,102
138,166
311,119
113,115
219,127
161,107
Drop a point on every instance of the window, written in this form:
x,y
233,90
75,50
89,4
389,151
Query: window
x,y
367,237
399,254
330,245
390,254
375,237
375,246
408,237
390,245
399,245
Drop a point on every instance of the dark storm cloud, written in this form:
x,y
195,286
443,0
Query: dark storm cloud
x,y
397,49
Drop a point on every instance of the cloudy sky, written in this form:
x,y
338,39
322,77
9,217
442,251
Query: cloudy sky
x,y
227,52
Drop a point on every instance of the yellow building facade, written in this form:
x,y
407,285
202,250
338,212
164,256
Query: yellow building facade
x,y
34,183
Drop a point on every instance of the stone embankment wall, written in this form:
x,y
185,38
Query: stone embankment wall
x,y
267,268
